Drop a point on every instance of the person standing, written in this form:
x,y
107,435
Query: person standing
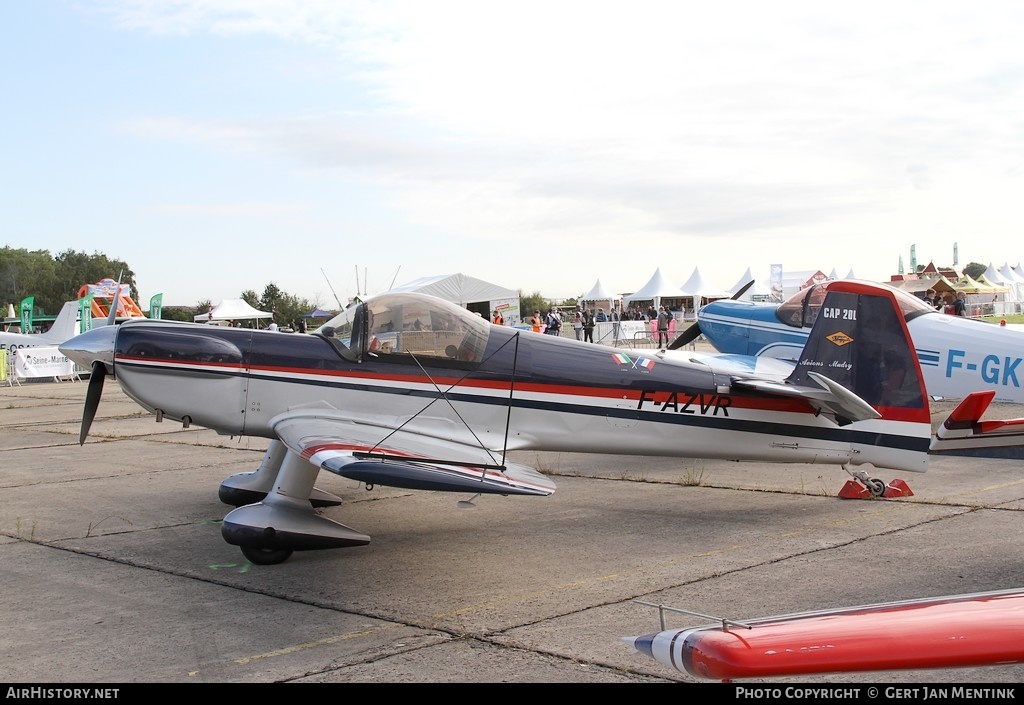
x,y
497,319
588,326
663,320
960,304
536,322
554,323
577,324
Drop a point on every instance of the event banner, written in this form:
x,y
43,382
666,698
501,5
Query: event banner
x,y
42,362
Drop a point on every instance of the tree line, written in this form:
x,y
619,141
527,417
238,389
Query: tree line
x,y
54,279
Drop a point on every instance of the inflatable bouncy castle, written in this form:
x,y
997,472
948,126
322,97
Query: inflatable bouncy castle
x,y
103,295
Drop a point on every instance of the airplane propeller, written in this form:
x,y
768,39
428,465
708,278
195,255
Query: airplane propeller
x,y
693,332
92,398
97,372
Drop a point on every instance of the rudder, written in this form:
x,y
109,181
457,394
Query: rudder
x,y
860,340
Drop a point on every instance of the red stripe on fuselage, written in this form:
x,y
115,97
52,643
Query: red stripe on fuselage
x,y
652,399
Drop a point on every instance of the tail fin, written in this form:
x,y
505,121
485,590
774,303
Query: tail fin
x,y
65,325
860,349
861,342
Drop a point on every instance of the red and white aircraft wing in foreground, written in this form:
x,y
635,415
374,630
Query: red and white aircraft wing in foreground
x,y
956,631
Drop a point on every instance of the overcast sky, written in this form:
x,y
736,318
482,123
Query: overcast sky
x,y
219,145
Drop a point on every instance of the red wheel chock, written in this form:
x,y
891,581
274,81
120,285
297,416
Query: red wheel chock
x,y
855,490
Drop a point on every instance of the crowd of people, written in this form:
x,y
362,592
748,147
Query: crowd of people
x,y
583,320
955,305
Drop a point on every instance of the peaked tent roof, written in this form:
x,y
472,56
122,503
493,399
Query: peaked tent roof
x,y
742,281
599,293
697,286
922,284
996,287
458,288
657,287
969,285
232,310
993,276
759,289
1009,274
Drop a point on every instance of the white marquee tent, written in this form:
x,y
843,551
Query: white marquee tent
x,y
599,296
470,293
458,289
656,289
702,290
232,310
758,291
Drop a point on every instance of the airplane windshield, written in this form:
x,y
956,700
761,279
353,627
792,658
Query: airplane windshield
x,y
801,309
408,325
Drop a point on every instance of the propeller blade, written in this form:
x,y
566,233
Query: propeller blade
x,y
742,290
112,314
686,337
92,398
693,332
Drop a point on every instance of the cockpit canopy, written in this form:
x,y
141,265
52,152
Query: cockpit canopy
x,y
410,325
801,309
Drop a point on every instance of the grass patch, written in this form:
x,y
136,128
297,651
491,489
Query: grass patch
x,y
19,529
1011,318
694,477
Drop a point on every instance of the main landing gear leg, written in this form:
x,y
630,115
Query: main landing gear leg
x,y
285,521
250,487
865,487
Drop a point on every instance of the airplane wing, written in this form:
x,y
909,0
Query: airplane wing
x,y
384,453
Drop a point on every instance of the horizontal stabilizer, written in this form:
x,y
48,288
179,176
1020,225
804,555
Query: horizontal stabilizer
x,y
964,433
830,398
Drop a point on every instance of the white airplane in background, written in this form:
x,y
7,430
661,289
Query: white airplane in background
x,y
410,391
958,355
65,326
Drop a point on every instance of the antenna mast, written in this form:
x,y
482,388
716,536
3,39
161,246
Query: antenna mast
x,y
340,307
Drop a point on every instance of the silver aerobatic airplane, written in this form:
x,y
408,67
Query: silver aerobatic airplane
x,y
410,391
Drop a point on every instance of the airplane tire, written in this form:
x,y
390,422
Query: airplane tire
x,y
266,556
875,486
